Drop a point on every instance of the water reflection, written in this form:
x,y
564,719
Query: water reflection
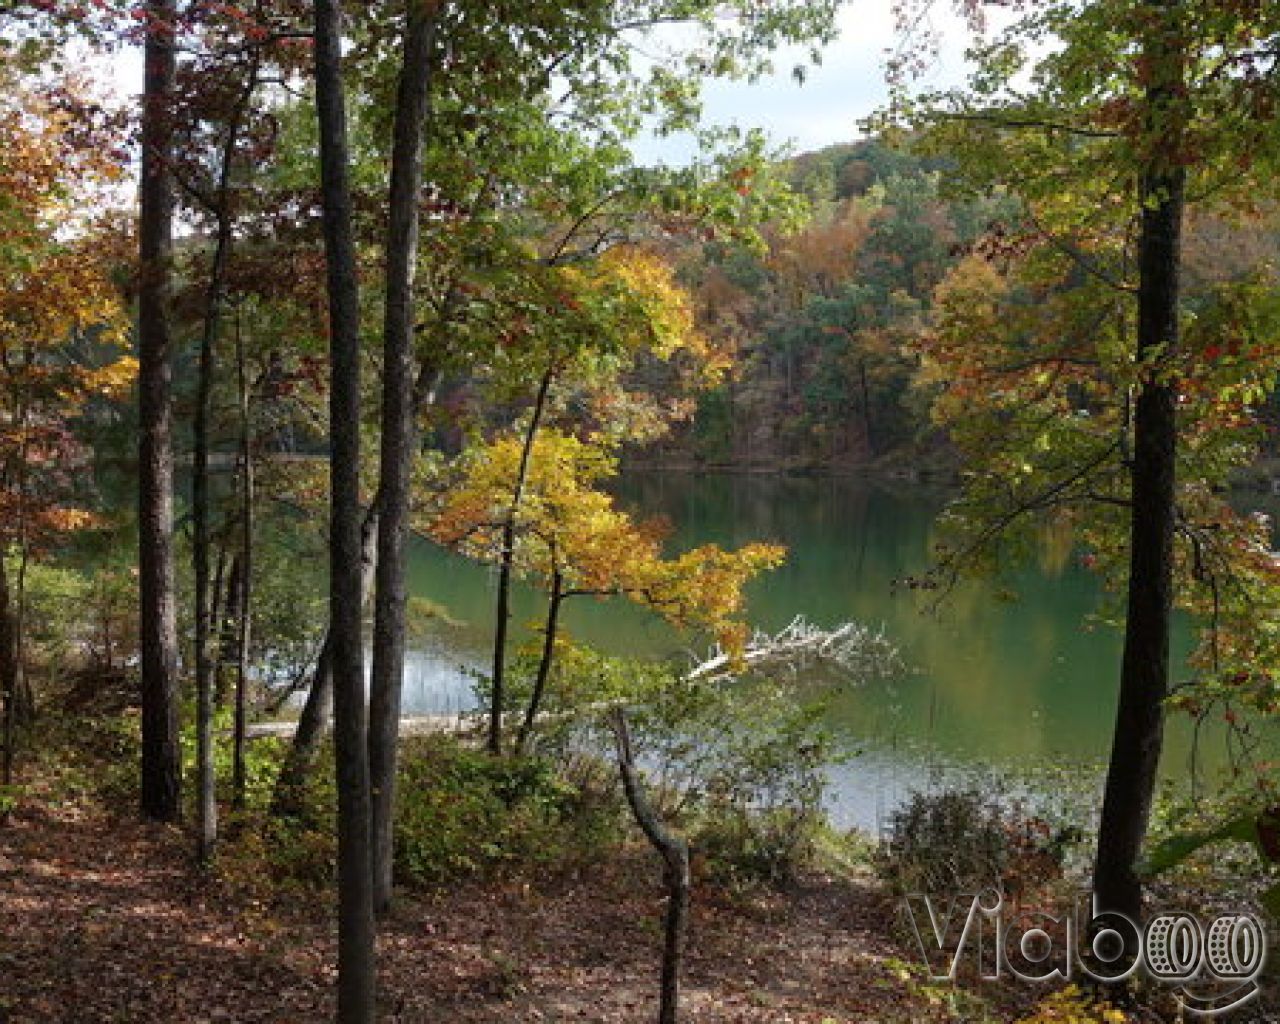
x,y
988,681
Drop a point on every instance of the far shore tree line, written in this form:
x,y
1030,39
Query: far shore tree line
x,y
413,242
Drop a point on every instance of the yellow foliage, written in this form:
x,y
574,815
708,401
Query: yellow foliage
x,y
565,525
112,380
1071,1006
58,294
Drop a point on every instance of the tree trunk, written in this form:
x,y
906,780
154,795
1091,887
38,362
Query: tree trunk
x,y
314,720
503,614
24,698
313,723
216,612
228,626
207,802
9,673
356,960
245,595
866,408
675,855
544,664
1144,676
161,782
206,799
398,438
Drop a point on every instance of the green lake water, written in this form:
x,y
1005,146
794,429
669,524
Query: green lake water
x,y
987,683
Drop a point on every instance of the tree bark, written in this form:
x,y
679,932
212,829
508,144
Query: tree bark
x,y
161,770
313,723
1144,676
314,720
544,663
866,408
9,673
228,625
207,803
244,599
398,437
502,615
675,855
216,612
206,800
356,960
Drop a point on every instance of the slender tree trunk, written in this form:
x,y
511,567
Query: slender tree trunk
x,y
207,802
245,595
313,723
675,856
314,720
1144,676
502,616
24,698
544,663
216,611
161,788
356,953
866,408
9,672
229,626
398,437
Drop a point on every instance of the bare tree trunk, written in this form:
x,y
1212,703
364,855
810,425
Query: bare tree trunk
x,y
24,700
161,783
675,855
229,626
313,723
207,803
245,595
866,407
216,611
398,437
503,614
356,953
544,663
9,672
1144,676
314,720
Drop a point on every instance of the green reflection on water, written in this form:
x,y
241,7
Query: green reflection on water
x,y
990,681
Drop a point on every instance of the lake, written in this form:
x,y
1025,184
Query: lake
x,y
1028,685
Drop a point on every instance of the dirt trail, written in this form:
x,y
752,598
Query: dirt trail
x,y
105,921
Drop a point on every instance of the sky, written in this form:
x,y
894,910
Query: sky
x,y
824,110
847,86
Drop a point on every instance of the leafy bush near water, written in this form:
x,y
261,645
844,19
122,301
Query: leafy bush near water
x,y
961,841
738,766
749,800
461,812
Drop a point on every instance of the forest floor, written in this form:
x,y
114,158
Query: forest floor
x,y
103,919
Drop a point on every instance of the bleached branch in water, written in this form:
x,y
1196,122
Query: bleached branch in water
x,y
851,648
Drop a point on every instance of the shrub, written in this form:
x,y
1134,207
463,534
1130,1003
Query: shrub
x,y
262,854
108,751
261,850
461,812
960,841
263,757
742,767
762,813
954,841
739,767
